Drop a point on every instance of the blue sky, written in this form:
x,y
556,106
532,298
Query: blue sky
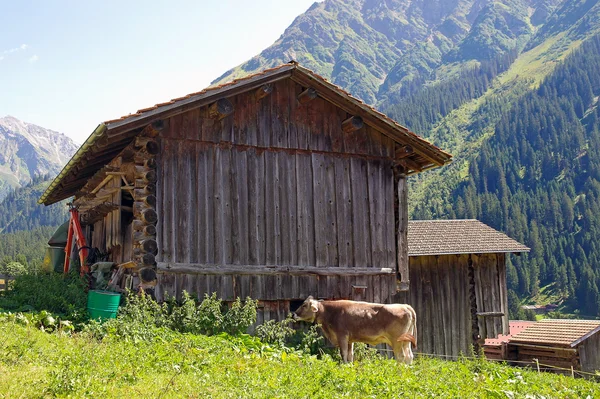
x,y
68,65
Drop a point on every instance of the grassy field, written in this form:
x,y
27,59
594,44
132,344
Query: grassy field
x,y
36,364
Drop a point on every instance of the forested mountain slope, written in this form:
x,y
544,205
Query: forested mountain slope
x,y
509,87
538,179
381,50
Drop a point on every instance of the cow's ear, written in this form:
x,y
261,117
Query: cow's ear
x,y
314,306
310,298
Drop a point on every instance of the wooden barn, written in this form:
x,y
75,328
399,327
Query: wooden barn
x,y
457,284
558,343
276,186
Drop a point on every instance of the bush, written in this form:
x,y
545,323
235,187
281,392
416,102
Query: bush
x,y
61,295
143,319
12,269
281,333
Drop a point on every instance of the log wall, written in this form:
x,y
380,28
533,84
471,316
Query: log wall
x,y
439,293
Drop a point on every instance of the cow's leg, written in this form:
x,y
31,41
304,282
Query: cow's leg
x,y
407,351
398,348
350,352
344,345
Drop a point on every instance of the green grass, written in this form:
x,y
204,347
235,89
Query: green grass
x,y
38,364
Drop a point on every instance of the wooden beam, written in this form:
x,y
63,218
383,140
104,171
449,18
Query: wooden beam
x,y
197,268
352,124
307,96
403,283
410,164
220,109
403,151
153,129
263,91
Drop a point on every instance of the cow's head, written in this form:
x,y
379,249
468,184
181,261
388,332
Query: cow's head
x,y
308,310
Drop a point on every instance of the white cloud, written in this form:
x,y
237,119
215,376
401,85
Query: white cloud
x,y
34,58
1,58
22,47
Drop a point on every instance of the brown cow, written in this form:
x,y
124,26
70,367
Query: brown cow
x,y
346,322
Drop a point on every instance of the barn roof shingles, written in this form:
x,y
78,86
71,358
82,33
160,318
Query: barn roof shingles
x,y
448,237
557,332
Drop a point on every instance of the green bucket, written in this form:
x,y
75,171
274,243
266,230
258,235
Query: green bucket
x,y
103,304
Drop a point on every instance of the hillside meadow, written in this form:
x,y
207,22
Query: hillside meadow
x,y
193,349
36,364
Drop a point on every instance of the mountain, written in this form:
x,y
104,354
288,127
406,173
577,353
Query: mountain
x,y
510,88
375,48
28,150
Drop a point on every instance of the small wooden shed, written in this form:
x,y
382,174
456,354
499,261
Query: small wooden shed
x,y
457,284
276,186
562,343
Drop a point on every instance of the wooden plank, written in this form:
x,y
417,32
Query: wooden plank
x,y
264,122
272,211
344,212
376,289
257,287
192,208
503,292
182,204
169,195
218,269
305,211
289,209
227,206
360,212
256,212
319,204
241,116
388,212
280,116
402,237
467,319
210,199
290,101
330,204
226,288
220,177
241,209
210,127
376,202
315,120
202,202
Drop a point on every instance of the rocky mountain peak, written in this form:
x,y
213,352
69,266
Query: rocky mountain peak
x,y
28,150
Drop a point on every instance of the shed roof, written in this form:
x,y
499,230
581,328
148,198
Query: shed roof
x,y
466,236
112,136
560,332
514,327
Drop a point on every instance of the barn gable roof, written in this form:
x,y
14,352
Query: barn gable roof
x,y
112,136
565,332
447,237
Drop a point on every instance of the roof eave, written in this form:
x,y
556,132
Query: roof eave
x,y
504,251
96,134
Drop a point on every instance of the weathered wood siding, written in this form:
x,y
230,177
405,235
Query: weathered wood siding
x,y
255,207
275,184
439,293
589,354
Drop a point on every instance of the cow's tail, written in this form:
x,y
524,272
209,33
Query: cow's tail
x,y
412,336
408,337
